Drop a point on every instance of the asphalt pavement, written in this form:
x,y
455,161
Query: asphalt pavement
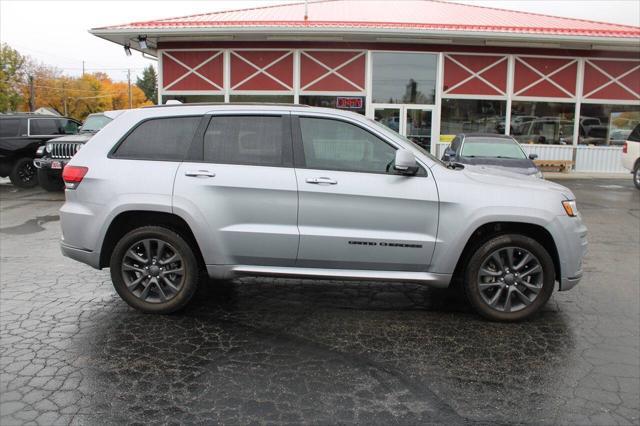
x,y
323,352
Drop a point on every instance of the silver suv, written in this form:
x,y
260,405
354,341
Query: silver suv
x,y
165,193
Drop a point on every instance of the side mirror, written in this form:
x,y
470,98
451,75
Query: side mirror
x,y
533,156
448,155
405,163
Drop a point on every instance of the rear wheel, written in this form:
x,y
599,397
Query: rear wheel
x,y
636,176
51,182
154,270
23,173
509,278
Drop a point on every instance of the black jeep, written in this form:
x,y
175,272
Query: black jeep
x,y
21,135
55,154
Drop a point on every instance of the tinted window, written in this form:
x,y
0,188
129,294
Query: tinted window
x,y
635,134
160,139
252,140
45,126
336,145
9,127
70,127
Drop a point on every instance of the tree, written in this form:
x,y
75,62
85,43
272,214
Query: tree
x,y
12,78
149,83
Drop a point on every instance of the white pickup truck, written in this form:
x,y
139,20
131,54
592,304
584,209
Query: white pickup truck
x,y
631,155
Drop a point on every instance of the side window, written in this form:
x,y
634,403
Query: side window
x,y
9,127
70,127
159,139
251,140
337,145
45,126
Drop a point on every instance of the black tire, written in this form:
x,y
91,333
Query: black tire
x,y
188,282
23,173
636,176
51,182
537,292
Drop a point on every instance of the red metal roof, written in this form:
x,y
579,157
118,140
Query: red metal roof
x,y
409,15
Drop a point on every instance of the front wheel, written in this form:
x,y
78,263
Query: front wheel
x,y
636,176
23,173
154,270
509,278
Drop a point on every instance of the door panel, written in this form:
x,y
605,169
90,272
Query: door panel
x,y
244,190
366,221
354,211
250,211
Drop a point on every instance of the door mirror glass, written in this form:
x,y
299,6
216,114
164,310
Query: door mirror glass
x,y
449,154
533,156
405,162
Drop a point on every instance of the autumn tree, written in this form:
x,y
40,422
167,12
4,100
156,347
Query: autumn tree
x,y
12,78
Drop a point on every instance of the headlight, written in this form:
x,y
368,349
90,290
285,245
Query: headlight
x,y
570,207
40,151
49,147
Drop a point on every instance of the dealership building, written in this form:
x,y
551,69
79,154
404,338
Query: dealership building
x,y
567,89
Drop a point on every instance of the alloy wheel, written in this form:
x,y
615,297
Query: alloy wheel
x,y
510,279
153,270
27,173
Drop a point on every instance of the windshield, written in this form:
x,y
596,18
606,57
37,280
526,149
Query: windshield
x,y
415,145
93,123
492,147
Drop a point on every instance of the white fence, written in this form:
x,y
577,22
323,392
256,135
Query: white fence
x,y
593,159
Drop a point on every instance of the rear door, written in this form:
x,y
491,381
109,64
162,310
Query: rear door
x,y
354,211
239,187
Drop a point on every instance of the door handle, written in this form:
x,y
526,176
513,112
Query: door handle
x,y
199,173
322,181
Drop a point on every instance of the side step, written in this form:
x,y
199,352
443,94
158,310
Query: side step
x,y
231,271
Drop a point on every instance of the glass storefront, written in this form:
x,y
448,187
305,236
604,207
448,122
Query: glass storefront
x,y
472,115
404,78
274,99
602,124
542,122
349,103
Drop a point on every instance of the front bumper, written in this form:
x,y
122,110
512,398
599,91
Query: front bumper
x,y
570,236
46,163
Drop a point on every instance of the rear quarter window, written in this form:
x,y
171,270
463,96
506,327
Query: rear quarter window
x,y
635,134
9,127
163,139
45,126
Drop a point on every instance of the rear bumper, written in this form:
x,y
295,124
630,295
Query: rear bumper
x,y
91,258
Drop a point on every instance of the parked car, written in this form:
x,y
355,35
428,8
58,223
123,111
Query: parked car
x,y
490,150
20,137
164,193
546,131
54,155
518,121
631,155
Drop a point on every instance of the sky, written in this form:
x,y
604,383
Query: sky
x,y
55,32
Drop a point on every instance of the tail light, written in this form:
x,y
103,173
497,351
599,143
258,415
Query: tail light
x,y
73,175
624,148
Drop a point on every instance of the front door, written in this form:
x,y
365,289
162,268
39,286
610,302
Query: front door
x,y
242,185
411,121
354,211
